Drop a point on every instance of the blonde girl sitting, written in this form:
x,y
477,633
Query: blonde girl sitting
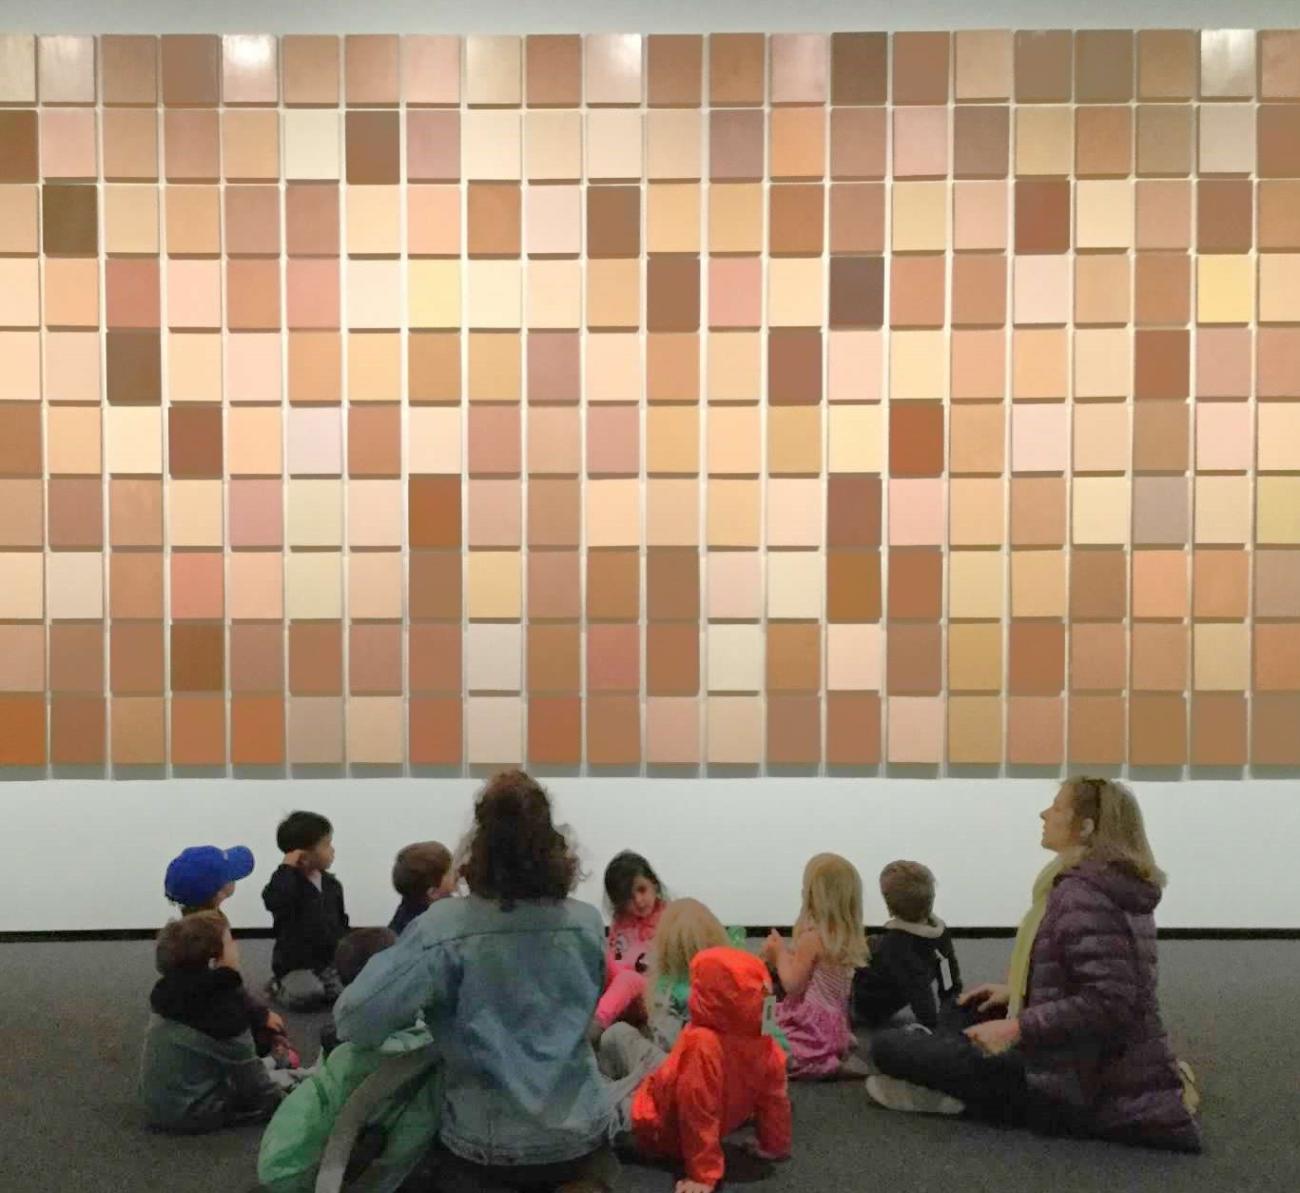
x,y
816,971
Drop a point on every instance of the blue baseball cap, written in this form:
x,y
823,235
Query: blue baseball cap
x,y
201,871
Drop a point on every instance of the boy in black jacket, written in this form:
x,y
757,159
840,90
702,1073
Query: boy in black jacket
x,y
913,963
306,905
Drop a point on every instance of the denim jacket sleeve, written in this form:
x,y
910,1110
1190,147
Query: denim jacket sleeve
x,y
394,987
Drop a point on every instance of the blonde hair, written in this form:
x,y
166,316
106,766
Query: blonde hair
x,y
832,904
1118,834
686,927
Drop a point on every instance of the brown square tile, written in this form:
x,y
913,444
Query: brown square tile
x,y
613,586
1161,364
191,70
1157,729
853,590
77,730
1163,288
981,141
1278,141
1273,739
433,511
737,69
1103,142
76,657
1219,729
794,367
128,66
1160,437
915,584
857,218
198,725
613,221
1224,215
672,584
194,441
859,68
69,220
197,658
435,731
979,289
1043,66
76,512
672,658
795,221
1038,511
794,731
853,511
256,657
19,161
916,439
136,657
435,580
493,219
1096,730
921,68
1037,658
1103,66
134,367
852,728
857,291
1035,730
1098,585
913,665
554,730
673,293
375,659
613,730
917,286
674,69
1042,215
793,658
373,147
257,730
374,441
553,70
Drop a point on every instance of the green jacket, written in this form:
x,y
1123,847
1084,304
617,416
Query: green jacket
x,y
294,1140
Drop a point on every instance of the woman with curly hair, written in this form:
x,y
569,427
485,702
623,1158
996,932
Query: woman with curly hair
x,y
507,981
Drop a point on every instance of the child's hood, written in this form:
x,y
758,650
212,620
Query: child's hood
x,y
728,990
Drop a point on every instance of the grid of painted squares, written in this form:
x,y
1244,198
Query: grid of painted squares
x,y
803,400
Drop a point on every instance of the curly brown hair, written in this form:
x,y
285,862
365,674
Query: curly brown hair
x,y
514,851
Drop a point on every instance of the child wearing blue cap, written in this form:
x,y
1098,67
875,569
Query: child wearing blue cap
x,y
201,878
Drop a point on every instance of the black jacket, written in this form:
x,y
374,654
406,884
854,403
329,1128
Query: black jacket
x,y
907,970
309,923
209,1000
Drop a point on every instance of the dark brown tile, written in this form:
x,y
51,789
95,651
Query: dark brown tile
x,y
859,68
853,592
191,70
553,70
1103,66
194,441
795,219
19,161
736,69
1044,66
674,68
673,293
1224,215
613,221
374,148
981,141
433,511
794,367
921,68
857,291
1042,215
1161,364
69,220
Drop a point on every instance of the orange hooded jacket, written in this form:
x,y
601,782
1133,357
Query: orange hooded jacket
x,y
722,1071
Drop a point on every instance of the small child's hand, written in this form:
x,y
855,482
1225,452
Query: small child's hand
x,y
772,946
274,1022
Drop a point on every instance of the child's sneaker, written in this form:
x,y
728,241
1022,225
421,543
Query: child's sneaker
x,y
895,1094
284,1054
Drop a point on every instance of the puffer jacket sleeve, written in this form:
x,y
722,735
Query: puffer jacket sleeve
x,y
772,1108
1097,991
699,1107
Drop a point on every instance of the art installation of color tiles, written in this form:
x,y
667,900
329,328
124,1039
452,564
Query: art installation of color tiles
x,y
780,402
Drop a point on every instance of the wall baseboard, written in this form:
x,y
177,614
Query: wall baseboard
x,y
971,933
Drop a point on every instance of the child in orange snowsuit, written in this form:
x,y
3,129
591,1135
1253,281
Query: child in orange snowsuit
x,y
722,1071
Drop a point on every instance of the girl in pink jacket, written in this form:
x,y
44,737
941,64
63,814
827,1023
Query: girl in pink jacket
x,y
637,898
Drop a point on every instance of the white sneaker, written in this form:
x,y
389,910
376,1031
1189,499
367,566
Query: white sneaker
x,y
895,1094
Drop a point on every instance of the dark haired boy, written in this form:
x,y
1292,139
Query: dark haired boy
x,y
202,878
422,874
199,1070
307,912
913,963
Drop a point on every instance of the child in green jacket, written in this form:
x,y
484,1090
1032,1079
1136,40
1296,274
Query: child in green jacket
x,y
396,1134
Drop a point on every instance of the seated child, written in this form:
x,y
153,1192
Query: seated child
x,y
199,1071
306,905
201,878
398,1132
723,1070
912,963
636,897
816,971
422,874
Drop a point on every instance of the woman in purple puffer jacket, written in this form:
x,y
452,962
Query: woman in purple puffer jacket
x,y
1073,1043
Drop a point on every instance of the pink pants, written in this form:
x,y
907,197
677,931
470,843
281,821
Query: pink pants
x,y
625,990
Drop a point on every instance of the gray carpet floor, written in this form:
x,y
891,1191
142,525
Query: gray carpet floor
x,y
72,1017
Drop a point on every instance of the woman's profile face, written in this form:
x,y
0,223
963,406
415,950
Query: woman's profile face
x,y
1059,828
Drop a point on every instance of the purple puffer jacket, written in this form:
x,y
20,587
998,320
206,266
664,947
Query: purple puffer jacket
x,y
1090,1029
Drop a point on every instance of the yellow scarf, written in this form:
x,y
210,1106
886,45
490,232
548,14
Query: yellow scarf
x,y
1022,951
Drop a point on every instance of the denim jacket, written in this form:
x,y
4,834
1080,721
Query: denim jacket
x,y
507,997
